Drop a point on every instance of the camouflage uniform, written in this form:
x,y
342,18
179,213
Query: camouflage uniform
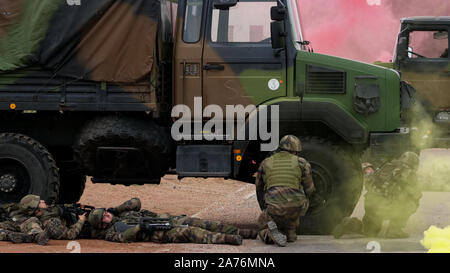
x,y
286,182
47,223
130,213
57,226
9,229
393,195
21,222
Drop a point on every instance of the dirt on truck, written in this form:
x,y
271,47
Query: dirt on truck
x,y
124,90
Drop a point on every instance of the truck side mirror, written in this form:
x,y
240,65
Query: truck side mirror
x,y
224,4
277,13
278,35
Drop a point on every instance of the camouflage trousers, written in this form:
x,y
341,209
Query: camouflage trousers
x,y
186,234
10,225
287,219
213,226
379,209
7,226
30,227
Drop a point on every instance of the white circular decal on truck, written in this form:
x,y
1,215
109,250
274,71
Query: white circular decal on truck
x,y
274,84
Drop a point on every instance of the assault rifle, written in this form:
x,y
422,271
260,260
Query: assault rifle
x,y
147,224
152,223
71,213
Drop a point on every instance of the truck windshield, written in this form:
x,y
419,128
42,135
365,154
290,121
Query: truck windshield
x,y
296,28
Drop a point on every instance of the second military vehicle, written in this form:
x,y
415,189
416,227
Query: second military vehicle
x,y
421,56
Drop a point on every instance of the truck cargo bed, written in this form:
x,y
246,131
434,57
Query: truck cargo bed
x,y
38,89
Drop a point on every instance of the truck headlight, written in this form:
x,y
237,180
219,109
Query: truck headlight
x,y
443,117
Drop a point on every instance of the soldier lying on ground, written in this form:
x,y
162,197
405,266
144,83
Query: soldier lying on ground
x,y
34,221
393,195
185,229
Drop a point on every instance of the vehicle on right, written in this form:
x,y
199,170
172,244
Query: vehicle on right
x,y
421,56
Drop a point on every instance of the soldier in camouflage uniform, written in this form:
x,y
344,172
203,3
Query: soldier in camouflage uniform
x,y
32,216
10,230
393,195
286,181
187,230
21,221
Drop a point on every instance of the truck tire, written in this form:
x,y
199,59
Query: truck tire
x,y
71,187
120,131
338,179
26,167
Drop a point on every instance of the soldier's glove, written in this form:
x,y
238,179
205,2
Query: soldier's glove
x,y
113,211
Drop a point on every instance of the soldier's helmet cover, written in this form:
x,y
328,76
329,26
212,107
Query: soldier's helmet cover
x,y
290,143
30,203
366,165
411,159
95,218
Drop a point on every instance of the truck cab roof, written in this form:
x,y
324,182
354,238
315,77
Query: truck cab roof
x,y
426,20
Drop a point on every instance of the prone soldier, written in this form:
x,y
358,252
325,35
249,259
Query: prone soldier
x,y
40,222
124,227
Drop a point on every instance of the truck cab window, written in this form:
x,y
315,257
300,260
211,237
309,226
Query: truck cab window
x,y
192,21
428,44
238,25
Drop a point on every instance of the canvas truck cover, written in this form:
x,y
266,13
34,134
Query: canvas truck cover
x,y
99,40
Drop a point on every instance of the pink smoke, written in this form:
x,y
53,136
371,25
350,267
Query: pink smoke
x,y
361,29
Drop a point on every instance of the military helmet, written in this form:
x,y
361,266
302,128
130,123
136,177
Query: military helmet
x,y
30,203
96,218
411,159
290,143
366,165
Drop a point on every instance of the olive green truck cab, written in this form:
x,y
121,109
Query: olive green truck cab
x,y
78,107
421,56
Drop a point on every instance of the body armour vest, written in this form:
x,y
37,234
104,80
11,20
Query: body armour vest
x,y
282,169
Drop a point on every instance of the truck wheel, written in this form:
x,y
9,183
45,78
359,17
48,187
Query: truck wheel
x,y
26,167
72,187
338,179
117,131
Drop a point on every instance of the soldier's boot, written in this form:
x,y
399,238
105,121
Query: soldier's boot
x,y
247,233
278,237
291,236
347,225
41,238
396,233
233,239
19,237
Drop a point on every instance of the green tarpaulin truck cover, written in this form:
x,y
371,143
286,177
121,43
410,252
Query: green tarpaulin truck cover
x,y
100,40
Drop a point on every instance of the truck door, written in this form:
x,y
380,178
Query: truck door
x,y
427,66
188,52
239,65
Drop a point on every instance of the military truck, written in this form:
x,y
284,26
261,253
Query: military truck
x,y
421,55
87,88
